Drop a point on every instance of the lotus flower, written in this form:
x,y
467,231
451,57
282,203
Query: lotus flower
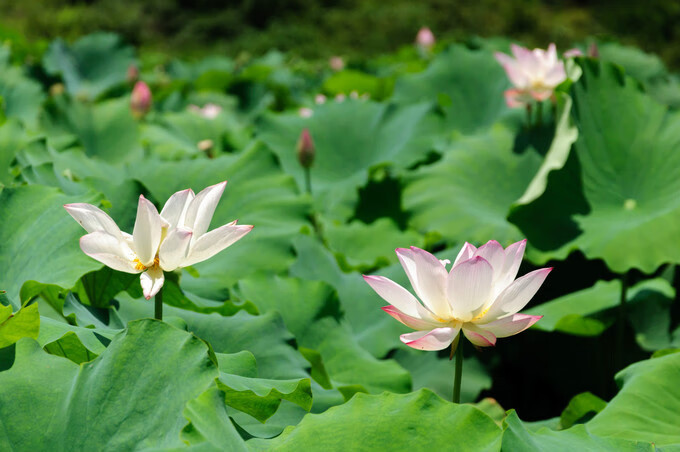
x,y
479,295
209,111
175,238
535,74
140,100
425,38
305,149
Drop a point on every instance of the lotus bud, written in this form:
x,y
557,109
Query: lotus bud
x,y
320,99
140,101
57,89
593,51
425,39
336,63
132,74
305,149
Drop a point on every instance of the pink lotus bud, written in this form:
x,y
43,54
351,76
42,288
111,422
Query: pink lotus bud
x,y
305,149
132,74
340,97
593,51
336,63
320,99
354,95
425,38
140,101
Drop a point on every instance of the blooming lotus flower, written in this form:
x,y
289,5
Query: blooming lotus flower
x,y
478,296
209,111
140,100
175,238
535,74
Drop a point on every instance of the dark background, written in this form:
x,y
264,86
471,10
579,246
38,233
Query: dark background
x,y
321,28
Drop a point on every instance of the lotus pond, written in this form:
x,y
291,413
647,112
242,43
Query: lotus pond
x,y
158,323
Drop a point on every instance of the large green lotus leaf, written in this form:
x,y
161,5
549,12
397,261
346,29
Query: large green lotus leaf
x,y
261,397
192,71
90,66
436,374
258,193
105,130
263,335
558,152
130,397
645,67
348,81
22,96
466,196
516,436
363,247
626,174
13,138
468,84
579,408
647,408
350,138
390,422
39,240
583,313
209,424
23,323
176,135
372,329
309,309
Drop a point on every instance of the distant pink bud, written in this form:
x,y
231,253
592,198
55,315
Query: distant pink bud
x,y
132,74
336,63
425,38
320,99
593,51
340,97
305,149
140,101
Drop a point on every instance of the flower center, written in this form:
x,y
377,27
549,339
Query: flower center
x,y
140,266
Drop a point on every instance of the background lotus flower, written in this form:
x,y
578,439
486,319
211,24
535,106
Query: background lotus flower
x,y
177,237
534,73
140,100
479,296
425,38
208,111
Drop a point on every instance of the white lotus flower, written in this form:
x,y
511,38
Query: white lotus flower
x,y
535,74
175,238
479,296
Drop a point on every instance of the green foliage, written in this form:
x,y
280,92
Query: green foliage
x,y
278,343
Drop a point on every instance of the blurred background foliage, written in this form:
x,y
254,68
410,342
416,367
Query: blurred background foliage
x,y
321,28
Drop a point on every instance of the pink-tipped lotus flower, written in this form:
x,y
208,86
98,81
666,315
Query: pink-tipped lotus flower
x,y
175,238
479,295
535,74
425,39
140,100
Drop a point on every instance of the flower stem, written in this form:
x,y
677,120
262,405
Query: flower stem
x,y
158,301
528,116
308,180
458,376
539,113
621,332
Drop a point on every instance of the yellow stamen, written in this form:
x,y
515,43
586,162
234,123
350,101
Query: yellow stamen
x,y
142,267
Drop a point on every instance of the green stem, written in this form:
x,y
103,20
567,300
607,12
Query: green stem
x,y
308,180
158,301
528,116
458,377
621,332
539,113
